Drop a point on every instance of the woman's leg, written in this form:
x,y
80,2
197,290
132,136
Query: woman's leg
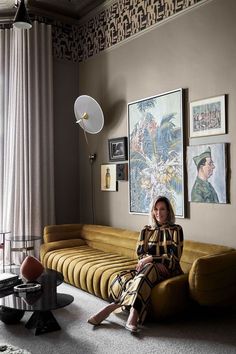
x,y
103,314
138,294
132,321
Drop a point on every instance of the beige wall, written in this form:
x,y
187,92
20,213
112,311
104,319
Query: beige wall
x,y
196,51
66,141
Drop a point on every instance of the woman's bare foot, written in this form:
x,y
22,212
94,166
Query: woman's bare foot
x,y
103,314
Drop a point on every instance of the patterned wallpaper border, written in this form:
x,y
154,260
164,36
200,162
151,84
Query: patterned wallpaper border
x,y
121,20
116,23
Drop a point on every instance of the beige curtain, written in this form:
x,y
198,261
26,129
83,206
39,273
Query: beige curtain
x,y
26,130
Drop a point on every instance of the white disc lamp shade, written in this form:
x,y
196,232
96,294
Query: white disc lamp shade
x,y
88,114
22,20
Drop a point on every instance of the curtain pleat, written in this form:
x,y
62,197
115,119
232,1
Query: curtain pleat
x,y
26,130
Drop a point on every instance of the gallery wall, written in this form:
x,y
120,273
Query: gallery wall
x,y
194,51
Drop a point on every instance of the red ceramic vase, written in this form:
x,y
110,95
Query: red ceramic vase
x,y
31,268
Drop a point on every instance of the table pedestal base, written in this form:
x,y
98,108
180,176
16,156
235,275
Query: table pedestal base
x,y
42,322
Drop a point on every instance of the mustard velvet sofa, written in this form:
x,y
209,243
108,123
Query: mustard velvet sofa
x,y
90,256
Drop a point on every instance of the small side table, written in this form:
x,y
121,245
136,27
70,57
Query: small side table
x,y
24,244
2,247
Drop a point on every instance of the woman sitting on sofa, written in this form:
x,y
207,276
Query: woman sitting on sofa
x,y
159,251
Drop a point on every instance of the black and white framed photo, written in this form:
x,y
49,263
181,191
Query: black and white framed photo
x,y
118,149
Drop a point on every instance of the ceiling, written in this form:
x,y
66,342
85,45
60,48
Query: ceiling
x,y
58,9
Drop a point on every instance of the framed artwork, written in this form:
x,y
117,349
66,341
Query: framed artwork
x,y
122,172
118,149
155,127
207,117
207,173
108,178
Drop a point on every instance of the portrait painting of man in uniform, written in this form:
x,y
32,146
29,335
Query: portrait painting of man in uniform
x,y
207,173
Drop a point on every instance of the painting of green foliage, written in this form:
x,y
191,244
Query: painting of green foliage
x,y
156,151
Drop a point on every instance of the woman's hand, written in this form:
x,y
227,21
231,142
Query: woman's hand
x,y
143,261
140,265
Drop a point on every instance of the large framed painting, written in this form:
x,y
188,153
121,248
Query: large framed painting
x,y
207,173
155,127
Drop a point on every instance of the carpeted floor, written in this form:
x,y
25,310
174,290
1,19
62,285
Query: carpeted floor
x,y
198,333
9,349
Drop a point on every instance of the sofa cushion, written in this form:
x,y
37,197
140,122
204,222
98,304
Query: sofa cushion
x,y
87,268
170,297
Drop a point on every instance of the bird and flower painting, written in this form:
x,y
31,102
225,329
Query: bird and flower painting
x,y
156,151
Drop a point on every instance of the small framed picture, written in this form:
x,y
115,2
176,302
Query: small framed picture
x,y
108,178
122,172
207,117
118,149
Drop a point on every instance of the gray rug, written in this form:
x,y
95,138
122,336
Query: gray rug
x,y
210,333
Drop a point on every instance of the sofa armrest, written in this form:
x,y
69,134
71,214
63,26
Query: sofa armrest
x,y
51,246
212,279
53,233
170,297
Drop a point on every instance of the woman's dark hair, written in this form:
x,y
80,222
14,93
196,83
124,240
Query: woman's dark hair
x,y
171,214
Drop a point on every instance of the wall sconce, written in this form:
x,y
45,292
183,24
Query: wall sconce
x,y
89,116
21,20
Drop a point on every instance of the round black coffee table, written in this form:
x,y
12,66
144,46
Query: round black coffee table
x,y
41,303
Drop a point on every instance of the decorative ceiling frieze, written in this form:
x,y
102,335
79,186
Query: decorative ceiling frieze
x,y
122,20
119,21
